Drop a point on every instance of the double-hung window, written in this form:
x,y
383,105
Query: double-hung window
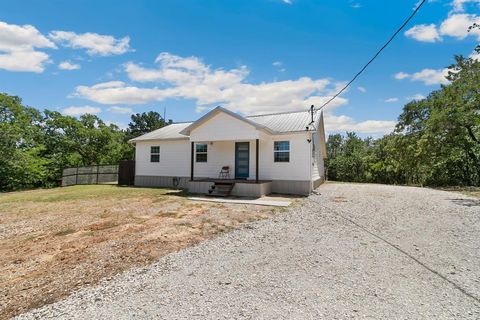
x,y
201,152
155,154
281,151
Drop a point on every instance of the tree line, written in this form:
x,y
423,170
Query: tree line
x,y
35,146
436,141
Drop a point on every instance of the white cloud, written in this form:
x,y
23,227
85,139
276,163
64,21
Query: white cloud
x,y
362,89
356,5
120,110
456,25
287,1
344,123
190,78
120,125
416,97
18,46
459,5
475,56
279,66
427,76
95,44
67,65
78,111
391,100
401,75
200,109
424,33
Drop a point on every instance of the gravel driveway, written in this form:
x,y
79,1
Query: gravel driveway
x,y
352,251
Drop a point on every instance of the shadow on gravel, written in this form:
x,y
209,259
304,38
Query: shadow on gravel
x,y
466,202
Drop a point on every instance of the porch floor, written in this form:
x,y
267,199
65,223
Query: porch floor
x,y
264,201
229,180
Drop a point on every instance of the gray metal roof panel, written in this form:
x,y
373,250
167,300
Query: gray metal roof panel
x,y
275,122
170,132
285,122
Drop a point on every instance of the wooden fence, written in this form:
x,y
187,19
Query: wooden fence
x,y
90,175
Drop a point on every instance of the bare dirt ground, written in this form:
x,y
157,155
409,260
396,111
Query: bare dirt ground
x,y
55,241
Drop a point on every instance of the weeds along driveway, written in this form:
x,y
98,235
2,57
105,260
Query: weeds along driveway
x,y
353,251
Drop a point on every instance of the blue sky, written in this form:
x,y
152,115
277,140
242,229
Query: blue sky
x,y
113,58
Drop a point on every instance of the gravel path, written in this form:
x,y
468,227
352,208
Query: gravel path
x,y
353,251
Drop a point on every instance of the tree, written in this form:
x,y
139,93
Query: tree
x,y
21,164
85,141
144,123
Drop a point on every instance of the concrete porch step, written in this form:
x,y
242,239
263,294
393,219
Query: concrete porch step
x,y
221,189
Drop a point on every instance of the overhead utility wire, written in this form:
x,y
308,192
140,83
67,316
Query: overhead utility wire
x,y
374,57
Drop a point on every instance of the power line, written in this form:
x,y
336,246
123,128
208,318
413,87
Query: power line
x,y
375,56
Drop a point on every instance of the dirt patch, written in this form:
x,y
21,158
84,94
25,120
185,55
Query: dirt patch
x,y
55,241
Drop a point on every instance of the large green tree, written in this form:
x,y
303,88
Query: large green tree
x,y
21,164
436,141
145,122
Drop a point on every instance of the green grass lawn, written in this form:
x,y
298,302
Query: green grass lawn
x,y
82,192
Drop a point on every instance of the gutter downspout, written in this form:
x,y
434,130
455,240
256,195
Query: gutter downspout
x,y
311,163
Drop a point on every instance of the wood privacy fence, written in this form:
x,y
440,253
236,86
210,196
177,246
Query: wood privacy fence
x,y
90,175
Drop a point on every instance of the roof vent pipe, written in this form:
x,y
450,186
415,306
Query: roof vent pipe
x,y
311,112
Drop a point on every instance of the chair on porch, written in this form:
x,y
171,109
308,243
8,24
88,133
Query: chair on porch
x,y
224,173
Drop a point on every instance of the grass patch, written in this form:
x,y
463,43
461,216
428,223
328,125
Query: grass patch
x,y
83,192
469,191
170,214
64,232
102,225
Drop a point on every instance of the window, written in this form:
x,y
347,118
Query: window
x,y
281,151
155,154
201,152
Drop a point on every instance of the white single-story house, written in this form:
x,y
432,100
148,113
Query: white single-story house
x,y
243,156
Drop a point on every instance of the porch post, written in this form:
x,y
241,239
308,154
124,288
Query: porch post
x,y
191,161
256,161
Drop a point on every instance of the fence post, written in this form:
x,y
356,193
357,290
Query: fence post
x,y
98,168
76,177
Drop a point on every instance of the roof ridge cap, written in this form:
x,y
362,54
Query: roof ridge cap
x,y
275,113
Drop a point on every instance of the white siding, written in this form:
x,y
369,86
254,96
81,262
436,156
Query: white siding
x,y
222,153
174,158
299,166
224,127
318,161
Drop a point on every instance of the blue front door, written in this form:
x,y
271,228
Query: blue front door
x,y
242,159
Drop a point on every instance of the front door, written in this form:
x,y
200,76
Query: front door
x,y
242,159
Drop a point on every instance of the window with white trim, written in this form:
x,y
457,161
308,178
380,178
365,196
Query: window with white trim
x,y
281,151
201,150
155,154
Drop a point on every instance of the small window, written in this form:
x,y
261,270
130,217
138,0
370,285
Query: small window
x,y
155,154
281,151
201,152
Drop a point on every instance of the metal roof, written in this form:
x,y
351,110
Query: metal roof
x,y
287,121
276,123
170,132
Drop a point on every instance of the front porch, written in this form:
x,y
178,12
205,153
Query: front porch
x,y
240,187
239,162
